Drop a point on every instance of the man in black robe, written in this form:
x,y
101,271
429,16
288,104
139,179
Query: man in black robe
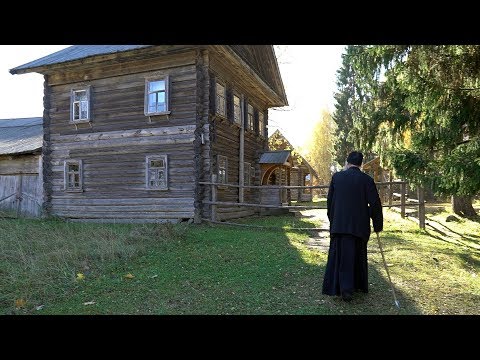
x,y
352,200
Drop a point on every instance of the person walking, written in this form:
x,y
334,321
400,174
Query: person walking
x,y
352,201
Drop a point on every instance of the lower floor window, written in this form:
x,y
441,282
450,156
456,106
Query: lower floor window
x,y
73,175
157,172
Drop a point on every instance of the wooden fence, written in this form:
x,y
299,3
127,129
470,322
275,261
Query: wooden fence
x,y
388,194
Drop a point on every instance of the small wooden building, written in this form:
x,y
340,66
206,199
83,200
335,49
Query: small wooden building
x,y
131,131
21,187
298,172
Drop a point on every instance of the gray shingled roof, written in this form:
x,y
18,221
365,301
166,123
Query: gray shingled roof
x,y
274,157
76,52
19,136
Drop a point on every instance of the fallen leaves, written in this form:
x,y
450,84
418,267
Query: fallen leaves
x,y
89,303
20,303
128,276
80,276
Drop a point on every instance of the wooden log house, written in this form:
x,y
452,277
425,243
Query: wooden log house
x,y
130,131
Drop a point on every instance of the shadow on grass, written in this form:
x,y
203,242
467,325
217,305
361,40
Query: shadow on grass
x,y
217,270
296,285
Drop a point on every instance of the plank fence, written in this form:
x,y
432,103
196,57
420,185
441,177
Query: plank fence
x,y
393,194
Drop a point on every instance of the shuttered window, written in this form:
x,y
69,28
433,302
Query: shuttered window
x,y
157,172
221,99
222,164
73,175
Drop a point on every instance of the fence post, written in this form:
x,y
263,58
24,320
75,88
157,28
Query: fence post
x,y
390,189
421,207
214,197
402,199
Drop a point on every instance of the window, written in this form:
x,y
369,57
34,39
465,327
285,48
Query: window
x,y
157,172
261,124
80,105
246,174
222,164
250,118
156,96
73,175
237,110
221,100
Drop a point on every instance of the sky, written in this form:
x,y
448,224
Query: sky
x,y
308,73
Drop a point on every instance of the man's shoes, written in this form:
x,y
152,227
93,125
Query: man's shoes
x,y
347,296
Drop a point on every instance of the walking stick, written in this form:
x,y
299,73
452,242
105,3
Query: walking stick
x,y
397,304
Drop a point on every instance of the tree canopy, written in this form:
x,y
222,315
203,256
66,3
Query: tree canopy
x,y
418,107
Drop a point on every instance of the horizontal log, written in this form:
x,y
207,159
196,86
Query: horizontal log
x,y
125,215
125,134
165,208
56,200
127,221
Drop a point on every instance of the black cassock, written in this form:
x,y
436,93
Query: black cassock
x,y
351,202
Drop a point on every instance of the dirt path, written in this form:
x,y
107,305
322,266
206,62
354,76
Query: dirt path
x,y
319,240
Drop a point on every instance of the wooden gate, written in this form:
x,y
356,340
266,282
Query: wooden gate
x,y
21,195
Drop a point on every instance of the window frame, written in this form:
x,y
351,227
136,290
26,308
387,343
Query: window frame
x,y
66,173
149,80
261,125
225,159
149,158
73,91
251,119
239,107
222,84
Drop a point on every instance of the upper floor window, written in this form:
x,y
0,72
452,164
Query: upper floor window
x,y
250,118
73,175
222,164
156,96
261,124
157,172
221,100
80,105
237,110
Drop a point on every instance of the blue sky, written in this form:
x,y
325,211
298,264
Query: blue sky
x,y
308,73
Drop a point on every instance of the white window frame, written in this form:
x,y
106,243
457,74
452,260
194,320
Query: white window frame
x,y
251,117
261,124
222,159
218,99
247,178
73,92
149,158
237,110
66,176
166,79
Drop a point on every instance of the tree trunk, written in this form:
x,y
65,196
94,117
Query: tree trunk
x,y
462,205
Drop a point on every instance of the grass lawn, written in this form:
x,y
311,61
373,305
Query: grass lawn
x,y
54,267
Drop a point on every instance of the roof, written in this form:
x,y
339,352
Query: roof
x,y
76,52
274,157
20,136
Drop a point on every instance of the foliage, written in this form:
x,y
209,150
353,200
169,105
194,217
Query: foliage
x,y
342,115
320,147
418,107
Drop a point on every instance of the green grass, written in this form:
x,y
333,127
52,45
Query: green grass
x,y
189,269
